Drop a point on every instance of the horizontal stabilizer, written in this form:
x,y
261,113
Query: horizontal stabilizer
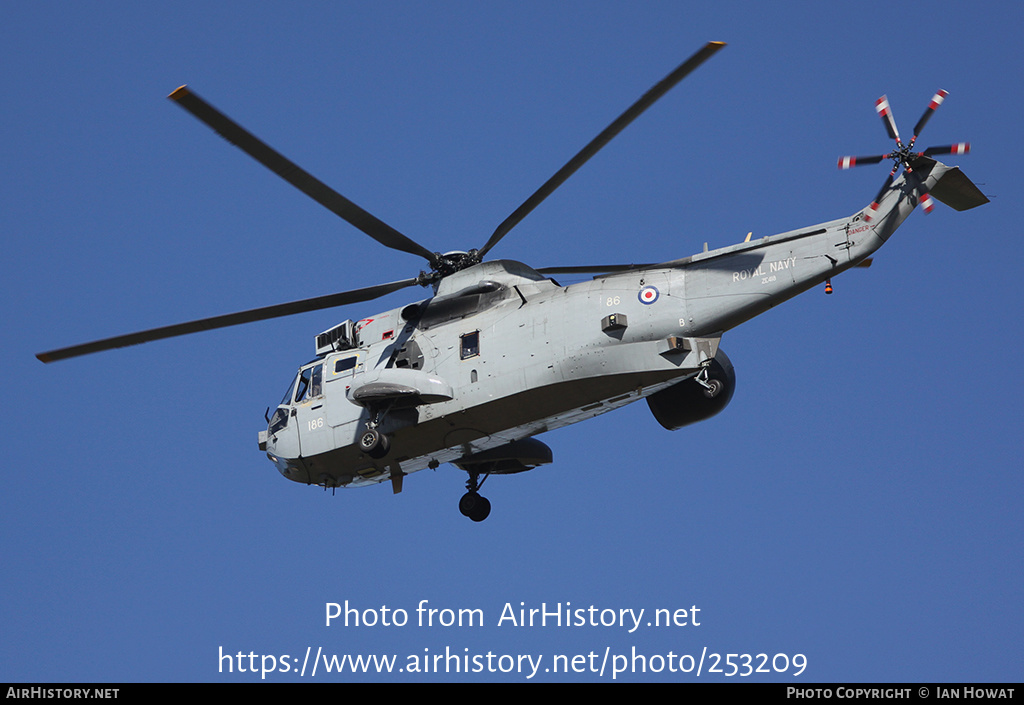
x,y
957,191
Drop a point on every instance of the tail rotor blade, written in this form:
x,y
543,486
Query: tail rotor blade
x,y
885,112
850,162
958,148
935,103
874,204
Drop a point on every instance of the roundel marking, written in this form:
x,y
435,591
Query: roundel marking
x,y
648,295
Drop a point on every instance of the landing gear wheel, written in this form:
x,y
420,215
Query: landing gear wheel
x,y
374,443
474,506
714,388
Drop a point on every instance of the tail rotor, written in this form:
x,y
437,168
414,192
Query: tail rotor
x,y
903,155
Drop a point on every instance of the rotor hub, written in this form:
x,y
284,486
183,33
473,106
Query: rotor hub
x,y
455,261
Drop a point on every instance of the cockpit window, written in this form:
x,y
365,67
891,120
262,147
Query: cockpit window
x,y
288,395
303,387
278,421
316,385
310,383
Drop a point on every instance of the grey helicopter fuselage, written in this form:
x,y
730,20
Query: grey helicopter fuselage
x,y
502,353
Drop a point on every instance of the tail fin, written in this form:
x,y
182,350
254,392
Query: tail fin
x,y
957,191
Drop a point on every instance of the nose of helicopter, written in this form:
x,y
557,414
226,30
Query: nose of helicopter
x,y
279,451
288,468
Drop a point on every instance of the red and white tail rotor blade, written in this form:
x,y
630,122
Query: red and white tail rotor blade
x,y
885,112
850,162
932,106
958,148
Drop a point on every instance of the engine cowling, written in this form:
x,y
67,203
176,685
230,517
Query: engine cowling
x,y
688,402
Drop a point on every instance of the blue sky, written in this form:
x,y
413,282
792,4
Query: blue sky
x,y
857,503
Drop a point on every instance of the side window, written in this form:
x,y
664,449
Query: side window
x,y
470,345
345,364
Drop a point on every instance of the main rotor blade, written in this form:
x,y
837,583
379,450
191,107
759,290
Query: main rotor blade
x,y
230,319
296,176
593,269
646,100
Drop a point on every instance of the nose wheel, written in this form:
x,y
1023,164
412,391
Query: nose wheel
x,y
472,505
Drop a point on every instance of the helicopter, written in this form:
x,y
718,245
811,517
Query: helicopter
x,y
501,352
